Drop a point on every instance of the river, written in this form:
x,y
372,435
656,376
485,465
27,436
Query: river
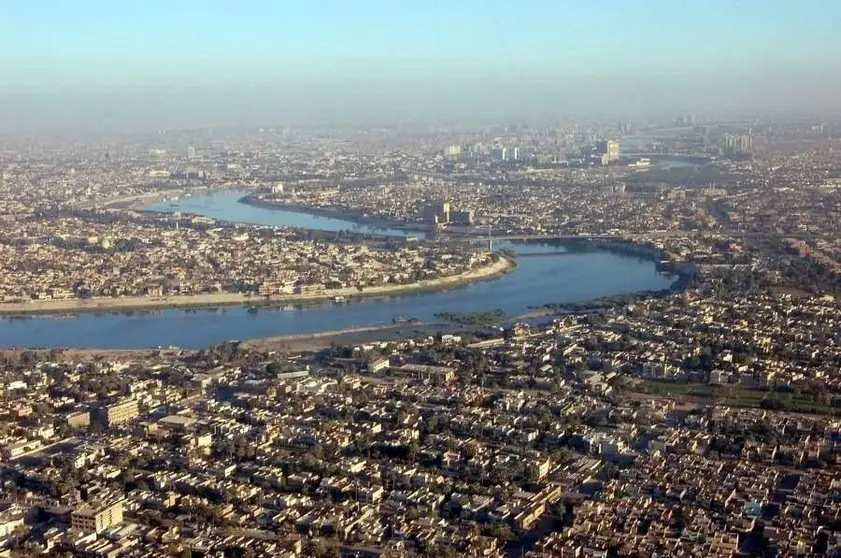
x,y
537,280
223,205
630,146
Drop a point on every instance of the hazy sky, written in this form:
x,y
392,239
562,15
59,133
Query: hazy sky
x,y
125,64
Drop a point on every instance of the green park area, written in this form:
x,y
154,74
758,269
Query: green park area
x,y
792,400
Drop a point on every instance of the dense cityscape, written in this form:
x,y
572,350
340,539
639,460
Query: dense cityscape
x,y
703,419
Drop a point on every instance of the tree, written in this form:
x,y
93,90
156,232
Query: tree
x,y
412,451
28,358
503,532
562,455
325,549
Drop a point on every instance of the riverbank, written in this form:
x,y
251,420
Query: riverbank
x,y
687,272
502,266
139,201
351,336
335,213
300,342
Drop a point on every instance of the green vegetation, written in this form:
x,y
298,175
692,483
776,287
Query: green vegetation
x,y
601,303
475,319
737,396
674,389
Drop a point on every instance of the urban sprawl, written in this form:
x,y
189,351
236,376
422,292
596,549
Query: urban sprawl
x,y
703,420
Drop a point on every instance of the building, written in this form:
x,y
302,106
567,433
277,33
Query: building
x,y
738,143
444,214
120,412
438,214
155,290
539,468
19,448
79,419
452,151
12,516
378,365
177,422
97,518
613,151
608,150
293,374
461,217
435,374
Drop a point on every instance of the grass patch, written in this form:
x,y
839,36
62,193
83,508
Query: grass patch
x,y
738,396
475,319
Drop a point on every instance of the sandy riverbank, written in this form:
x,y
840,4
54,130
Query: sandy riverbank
x,y
502,266
139,201
299,342
353,336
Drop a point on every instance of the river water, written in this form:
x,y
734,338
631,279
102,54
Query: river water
x,y
223,205
540,279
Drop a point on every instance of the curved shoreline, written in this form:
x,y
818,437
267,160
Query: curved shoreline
x,y
140,200
10,309
351,335
335,213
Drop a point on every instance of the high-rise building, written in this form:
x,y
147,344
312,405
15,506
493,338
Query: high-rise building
x,y
608,150
613,151
738,143
438,214
444,212
452,151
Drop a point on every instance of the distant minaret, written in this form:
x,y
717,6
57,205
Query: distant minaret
x,y
490,240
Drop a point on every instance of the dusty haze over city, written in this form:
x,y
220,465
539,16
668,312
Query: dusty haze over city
x,y
155,65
